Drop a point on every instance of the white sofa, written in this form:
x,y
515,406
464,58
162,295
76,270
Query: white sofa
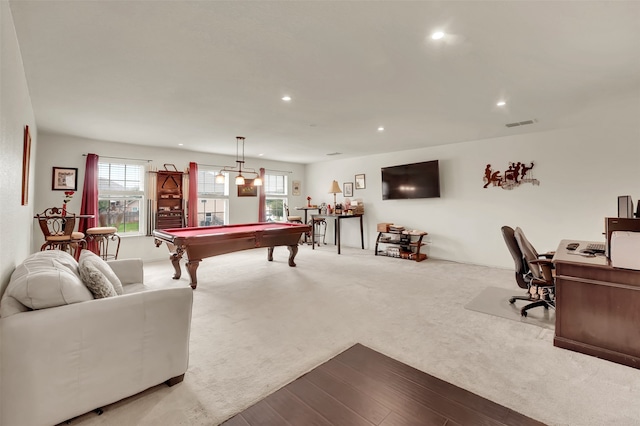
x,y
59,362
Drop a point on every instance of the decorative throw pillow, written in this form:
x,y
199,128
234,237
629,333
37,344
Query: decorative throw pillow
x,y
96,281
43,281
87,256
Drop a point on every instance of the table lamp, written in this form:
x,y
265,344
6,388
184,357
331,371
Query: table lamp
x,y
335,189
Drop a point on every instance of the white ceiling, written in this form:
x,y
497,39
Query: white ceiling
x,y
201,73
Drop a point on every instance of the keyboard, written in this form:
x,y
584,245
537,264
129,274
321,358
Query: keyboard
x,y
596,247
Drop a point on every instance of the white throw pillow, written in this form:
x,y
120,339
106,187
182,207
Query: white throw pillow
x,y
96,281
89,257
46,279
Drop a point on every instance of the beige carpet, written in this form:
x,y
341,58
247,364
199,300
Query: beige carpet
x,y
495,301
259,325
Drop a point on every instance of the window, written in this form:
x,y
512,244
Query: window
x,y
213,198
275,189
121,197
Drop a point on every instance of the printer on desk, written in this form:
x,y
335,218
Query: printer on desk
x,y
623,242
625,250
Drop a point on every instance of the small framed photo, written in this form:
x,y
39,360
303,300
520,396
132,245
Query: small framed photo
x,y
347,189
360,182
295,187
64,179
248,189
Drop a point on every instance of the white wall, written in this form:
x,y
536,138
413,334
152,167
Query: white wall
x,y
582,169
67,151
15,113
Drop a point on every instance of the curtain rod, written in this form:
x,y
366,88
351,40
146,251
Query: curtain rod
x,y
210,165
122,158
270,170
281,171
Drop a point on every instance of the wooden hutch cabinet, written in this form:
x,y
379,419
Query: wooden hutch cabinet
x,y
170,198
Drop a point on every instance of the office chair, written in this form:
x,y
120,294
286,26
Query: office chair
x,y
533,271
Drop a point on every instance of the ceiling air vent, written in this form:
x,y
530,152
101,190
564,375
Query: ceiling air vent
x,y
334,153
521,123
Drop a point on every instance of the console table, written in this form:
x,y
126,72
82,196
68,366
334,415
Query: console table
x,y
596,306
336,231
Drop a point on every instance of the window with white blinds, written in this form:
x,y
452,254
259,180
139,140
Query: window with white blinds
x,y
121,196
213,198
275,188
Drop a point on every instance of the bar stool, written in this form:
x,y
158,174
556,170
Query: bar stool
x,y
102,235
320,230
292,219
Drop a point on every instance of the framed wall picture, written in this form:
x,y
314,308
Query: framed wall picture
x,y
64,179
26,160
347,189
248,189
360,182
295,187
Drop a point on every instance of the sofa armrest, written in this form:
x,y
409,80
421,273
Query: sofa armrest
x,y
129,271
61,362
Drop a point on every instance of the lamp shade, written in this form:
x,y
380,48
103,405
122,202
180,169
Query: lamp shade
x,y
335,188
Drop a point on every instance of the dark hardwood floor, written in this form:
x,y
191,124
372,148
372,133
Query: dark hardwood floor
x,y
363,387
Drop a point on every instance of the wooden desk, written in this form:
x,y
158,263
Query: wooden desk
x,y
597,307
336,232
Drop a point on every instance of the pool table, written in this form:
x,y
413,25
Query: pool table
x,y
207,241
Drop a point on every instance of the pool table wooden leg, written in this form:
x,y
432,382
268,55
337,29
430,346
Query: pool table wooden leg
x,y
175,261
192,266
270,254
293,250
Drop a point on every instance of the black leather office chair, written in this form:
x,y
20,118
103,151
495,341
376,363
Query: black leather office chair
x,y
533,271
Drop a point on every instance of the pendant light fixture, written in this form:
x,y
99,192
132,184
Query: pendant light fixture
x,y
240,179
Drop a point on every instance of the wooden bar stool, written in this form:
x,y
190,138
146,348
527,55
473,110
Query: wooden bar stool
x,y
102,235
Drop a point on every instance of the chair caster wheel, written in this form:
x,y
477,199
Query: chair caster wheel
x,y
98,411
512,301
524,313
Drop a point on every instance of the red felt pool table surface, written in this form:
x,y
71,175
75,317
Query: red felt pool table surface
x,y
202,242
229,229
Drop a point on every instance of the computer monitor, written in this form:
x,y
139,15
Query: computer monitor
x,y
619,224
625,206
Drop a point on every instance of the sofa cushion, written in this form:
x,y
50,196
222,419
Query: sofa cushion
x,y
96,281
89,257
47,279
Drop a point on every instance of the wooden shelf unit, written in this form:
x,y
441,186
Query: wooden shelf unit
x,y
407,245
169,195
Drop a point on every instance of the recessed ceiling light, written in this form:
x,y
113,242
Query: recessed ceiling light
x,y
180,144
286,98
381,129
437,35
501,103
260,155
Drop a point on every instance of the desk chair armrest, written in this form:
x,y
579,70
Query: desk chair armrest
x,y
546,266
547,255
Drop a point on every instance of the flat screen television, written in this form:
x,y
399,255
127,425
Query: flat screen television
x,y
416,180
